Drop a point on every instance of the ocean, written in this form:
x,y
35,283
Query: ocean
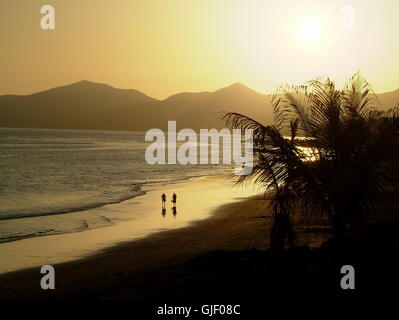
x,y
50,179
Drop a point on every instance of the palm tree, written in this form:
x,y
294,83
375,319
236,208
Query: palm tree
x,y
344,169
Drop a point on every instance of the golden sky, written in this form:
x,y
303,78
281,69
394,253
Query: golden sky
x,y
162,47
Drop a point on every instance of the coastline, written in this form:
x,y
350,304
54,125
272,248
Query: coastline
x,y
81,218
131,220
128,269
227,228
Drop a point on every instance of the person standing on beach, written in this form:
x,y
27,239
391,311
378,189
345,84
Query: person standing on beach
x,y
163,197
174,198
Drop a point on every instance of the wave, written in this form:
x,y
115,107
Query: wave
x,y
19,215
136,188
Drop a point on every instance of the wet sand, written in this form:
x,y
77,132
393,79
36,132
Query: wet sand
x,y
134,219
233,226
239,224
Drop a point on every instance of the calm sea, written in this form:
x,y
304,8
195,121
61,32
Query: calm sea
x,y
60,173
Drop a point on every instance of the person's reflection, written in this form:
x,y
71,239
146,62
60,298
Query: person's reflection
x,y
163,212
174,211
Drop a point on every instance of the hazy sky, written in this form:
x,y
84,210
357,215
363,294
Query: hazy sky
x,y
162,47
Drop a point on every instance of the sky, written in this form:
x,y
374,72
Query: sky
x,y
164,47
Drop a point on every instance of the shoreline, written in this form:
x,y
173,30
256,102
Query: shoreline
x,y
128,269
144,187
142,218
228,225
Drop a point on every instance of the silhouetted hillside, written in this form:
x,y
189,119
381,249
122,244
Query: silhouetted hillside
x,y
88,105
82,105
389,99
202,109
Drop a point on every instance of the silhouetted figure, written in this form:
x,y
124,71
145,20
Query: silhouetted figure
x,y
174,198
163,212
163,197
174,211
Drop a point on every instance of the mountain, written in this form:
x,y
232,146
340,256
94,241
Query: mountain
x,y
89,105
389,99
203,109
82,105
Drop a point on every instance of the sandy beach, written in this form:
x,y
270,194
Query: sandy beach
x,y
133,219
222,255
219,217
207,208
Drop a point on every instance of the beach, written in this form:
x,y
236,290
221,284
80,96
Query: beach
x,y
131,219
221,257
202,211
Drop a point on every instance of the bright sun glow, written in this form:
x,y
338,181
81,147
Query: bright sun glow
x,y
309,30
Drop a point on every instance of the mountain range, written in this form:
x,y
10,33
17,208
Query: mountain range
x,y
88,105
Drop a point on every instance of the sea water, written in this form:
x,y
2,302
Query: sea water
x,y
49,179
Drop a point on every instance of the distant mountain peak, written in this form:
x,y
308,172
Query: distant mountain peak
x,y
88,83
237,88
238,85
96,88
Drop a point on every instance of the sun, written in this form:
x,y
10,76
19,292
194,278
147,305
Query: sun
x,y
309,30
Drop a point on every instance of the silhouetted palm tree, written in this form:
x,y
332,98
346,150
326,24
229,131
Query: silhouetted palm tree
x,y
343,167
